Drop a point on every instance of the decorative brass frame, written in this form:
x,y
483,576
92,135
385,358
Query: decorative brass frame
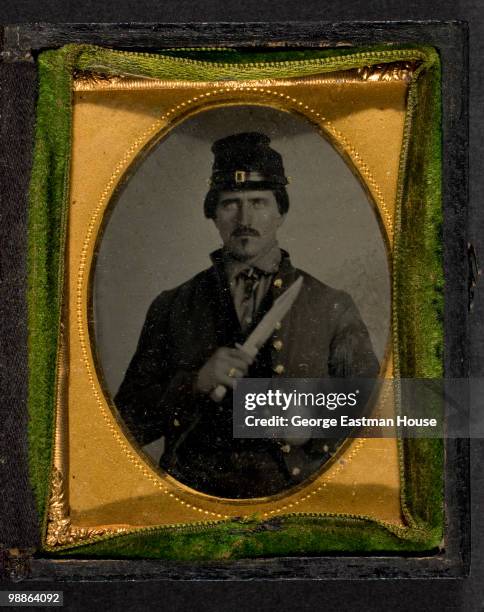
x,y
61,529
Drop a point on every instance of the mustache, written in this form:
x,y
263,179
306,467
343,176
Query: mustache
x,y
243,230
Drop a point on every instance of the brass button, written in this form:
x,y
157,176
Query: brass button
x,y
279,368
277,344
278,325
278,283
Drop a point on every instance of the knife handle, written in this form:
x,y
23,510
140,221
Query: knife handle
x,y
218,393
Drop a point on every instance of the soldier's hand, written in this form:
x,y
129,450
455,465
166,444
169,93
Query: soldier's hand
x,y
225,365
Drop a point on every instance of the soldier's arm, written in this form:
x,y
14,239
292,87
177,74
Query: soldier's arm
x,y
351,356
351,351
156,397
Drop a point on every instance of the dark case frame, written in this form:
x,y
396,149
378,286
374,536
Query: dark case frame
x,y
18,78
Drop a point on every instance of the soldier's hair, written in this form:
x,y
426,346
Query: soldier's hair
x,y
212,198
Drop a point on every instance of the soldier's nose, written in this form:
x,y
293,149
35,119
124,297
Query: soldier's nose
x,y
245,214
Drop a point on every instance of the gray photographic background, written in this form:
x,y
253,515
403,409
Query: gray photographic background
x,y
156,235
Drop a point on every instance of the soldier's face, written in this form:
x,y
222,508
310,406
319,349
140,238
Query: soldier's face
x,y
248,222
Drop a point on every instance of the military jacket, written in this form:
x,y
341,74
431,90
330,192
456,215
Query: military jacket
x,y
321,336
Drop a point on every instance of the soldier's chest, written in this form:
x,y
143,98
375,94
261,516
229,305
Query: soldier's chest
x,y
299,345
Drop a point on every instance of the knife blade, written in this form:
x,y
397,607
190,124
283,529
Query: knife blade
x,y
264,329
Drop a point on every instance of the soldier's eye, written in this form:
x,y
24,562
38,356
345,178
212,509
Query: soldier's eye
x,y
229,204
259,203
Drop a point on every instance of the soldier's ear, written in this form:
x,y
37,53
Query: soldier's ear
x,y
282,218
215,220
213,216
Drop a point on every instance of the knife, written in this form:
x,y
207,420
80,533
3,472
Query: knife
x,y
264,329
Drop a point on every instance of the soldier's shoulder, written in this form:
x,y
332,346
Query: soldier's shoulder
x,y
192,287
318,290
315,284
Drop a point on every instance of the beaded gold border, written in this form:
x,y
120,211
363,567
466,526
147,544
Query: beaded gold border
x,y
158,128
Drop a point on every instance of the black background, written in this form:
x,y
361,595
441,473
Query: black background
x,y
370,594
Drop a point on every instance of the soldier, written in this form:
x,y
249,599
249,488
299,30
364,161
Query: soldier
x,y
190,341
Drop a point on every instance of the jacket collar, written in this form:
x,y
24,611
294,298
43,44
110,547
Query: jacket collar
x,y
275,261
267,263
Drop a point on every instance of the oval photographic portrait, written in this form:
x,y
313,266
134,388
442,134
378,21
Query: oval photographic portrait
x,y
220,217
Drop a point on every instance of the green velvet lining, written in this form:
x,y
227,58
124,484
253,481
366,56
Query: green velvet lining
x,y
228,65
418,286
47,230
290,535
418,303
